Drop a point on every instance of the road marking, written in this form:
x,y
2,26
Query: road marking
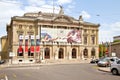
x,y
27,74
26,68
96,67
1,68
14,75
3,76
6,78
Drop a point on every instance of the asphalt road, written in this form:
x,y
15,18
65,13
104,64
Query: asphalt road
x,y
57,72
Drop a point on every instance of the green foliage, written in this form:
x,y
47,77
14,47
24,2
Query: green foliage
x,y
116,41
102,50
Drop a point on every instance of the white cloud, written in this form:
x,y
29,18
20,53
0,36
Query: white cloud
x,y
105,35
63,1
36,2
85,15
108,31
115,26
8,9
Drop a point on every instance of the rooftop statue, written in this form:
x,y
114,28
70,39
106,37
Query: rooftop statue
x,y
61,12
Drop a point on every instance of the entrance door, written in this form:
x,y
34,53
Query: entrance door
x,y
47,53
85,53
73,53
61,53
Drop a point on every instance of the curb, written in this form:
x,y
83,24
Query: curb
x,y
104,69
34,65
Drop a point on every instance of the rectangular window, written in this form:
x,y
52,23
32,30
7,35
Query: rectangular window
x,y
20,50
85,40
93,39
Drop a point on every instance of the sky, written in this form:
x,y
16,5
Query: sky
x,y
103,12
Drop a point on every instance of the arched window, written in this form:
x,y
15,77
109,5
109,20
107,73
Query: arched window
x,y
85,52
74,53
61,53
47,53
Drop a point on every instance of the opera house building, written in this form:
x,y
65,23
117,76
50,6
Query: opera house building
x,y
49,37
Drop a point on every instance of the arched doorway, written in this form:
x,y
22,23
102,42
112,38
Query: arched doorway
x,y
47,53
74,53
85,53
61,53
93,52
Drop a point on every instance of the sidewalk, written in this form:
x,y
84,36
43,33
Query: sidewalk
x,y
104,69
40,64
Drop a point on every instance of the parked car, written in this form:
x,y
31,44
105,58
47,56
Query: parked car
x,y
107,61
2,61
115,67
94,61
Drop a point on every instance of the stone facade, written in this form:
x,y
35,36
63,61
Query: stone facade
x,y
31,25
3,52
115,48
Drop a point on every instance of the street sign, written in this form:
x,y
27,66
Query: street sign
x,y
11,54
113,54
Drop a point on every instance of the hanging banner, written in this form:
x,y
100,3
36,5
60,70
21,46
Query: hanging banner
x,y
20,50
37,37
32,42
21,37
61,35
37,42
20,42
26,45
32,49
26,37
32,37
37,49
37,45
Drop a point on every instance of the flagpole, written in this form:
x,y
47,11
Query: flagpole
x,y
53,7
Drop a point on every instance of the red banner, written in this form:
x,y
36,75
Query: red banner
x,y
37,49
26,45
32,49
26,48
20,50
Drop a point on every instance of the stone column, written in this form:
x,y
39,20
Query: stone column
x,y
56,53
70,54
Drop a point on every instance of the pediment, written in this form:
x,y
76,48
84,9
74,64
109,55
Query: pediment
x,y
63,18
